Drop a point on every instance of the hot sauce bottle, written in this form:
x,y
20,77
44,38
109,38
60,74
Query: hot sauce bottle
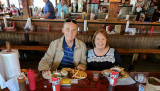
x,y
31,79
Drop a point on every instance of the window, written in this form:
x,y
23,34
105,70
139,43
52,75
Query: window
x,y
15,2
4,2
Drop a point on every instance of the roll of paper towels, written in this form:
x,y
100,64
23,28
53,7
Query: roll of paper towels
x,y
10,63
2,73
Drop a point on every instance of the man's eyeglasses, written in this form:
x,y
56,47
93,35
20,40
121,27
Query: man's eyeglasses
x,y
70,20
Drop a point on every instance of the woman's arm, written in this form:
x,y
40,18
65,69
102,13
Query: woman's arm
x,y
117,58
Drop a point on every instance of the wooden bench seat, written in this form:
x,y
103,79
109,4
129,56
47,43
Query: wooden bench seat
x,y
135,52
120,50
20,47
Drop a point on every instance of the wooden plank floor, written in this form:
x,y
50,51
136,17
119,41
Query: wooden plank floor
x,y
151,64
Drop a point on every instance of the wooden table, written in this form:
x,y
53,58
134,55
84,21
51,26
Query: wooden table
x,y
101,85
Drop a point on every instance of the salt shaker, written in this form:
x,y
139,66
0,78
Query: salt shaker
x,y
31,79
22,83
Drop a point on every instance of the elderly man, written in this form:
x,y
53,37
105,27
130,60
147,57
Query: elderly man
x,y
62,7
49,10
66,52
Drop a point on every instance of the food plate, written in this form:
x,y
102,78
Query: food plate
x,y
122,74
106,72
75,74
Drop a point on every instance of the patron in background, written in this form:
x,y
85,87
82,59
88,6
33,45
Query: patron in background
x,y
49,10
66,52
102,56
150,12
62,7
14,10
41,14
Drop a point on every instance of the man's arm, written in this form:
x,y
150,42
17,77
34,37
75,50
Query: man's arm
x,y
47,14
67,12
55,10
66,16
83,63
46,61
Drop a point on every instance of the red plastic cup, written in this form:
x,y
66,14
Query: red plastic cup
x,y
55,84
113,76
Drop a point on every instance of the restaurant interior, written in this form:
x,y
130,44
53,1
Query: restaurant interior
x,y
133,27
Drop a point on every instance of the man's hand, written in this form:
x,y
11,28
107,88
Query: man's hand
x,y
46,74
81,67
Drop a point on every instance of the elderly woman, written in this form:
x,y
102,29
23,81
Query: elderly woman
x,y
102,56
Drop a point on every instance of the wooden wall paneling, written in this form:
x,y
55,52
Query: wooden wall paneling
x,y
93,27
16,38
46,38
38,37
57,26
32,37
22,38
41,38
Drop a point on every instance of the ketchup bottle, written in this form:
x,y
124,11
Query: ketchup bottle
x,y
49,28
31,79
13,23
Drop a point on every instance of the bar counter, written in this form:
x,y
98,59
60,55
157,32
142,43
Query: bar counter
x,y
138,41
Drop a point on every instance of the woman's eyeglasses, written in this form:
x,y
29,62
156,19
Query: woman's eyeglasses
x,y
70,20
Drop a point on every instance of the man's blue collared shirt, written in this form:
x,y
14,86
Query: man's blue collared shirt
x,y
67,60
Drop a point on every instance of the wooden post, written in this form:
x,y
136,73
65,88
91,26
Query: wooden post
x,y
8,45
25,9
113,11
8,3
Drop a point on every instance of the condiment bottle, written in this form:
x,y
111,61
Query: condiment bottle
x,y
0,27
22,83
95,76
13,23
49,28
31,79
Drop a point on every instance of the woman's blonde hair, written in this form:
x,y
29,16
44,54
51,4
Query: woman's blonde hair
x,y
104,33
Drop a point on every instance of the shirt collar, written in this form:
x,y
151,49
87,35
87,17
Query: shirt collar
x,y
77,45
47,2
65,44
